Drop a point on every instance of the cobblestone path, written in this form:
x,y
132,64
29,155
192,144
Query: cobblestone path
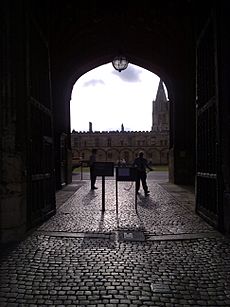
x,y
158,214
161,255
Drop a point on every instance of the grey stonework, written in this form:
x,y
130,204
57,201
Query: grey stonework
x,y
122,145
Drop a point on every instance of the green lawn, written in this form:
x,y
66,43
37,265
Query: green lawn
x,y
161,168
78,170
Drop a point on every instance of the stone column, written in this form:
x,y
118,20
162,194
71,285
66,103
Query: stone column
x,y
13,123
182,134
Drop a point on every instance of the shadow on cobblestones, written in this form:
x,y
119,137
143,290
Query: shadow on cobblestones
x,y
145,202
85,257
158,214
45,270
88,198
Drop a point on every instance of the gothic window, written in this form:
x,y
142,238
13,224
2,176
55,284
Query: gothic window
x,y
109,142
96,142
76,142
153,141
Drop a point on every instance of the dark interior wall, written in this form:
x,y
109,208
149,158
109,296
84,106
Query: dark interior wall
x,y
224,105
13,104
78,36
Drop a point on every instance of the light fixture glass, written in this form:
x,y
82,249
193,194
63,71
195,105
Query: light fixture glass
x,y
120,63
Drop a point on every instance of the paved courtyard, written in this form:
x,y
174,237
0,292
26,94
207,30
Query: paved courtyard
x,y
161,254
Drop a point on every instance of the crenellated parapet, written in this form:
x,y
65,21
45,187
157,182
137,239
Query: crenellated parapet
x,y
115,132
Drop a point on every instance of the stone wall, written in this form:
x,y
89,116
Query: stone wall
x,y
113,146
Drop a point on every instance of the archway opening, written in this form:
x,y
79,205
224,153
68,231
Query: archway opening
x,y
120,113
108,99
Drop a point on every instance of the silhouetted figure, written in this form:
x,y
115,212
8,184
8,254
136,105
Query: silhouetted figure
x,y
141,164
122,163
92,161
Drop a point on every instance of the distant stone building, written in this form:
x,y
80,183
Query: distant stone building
x,y
116,145
160,110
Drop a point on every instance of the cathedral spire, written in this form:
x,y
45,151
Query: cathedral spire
x,y
160,110
161,96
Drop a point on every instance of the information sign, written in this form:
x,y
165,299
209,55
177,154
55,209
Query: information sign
x,y
104,169
126,173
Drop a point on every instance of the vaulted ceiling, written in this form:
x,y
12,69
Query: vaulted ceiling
x,y
157,35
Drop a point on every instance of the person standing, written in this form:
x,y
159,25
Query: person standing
x,y
92,161
141,164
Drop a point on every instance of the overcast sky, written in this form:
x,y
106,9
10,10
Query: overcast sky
x,y
109,98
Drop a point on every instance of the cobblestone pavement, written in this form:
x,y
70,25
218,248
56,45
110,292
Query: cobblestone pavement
x,y
158,214
161,255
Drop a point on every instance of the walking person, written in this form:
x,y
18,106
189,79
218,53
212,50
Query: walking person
x,y
141,164
92,161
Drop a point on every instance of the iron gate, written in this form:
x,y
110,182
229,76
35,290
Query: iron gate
x,y
41,188
208,202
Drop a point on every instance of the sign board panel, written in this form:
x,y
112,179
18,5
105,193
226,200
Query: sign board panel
x,y
126,174
104,168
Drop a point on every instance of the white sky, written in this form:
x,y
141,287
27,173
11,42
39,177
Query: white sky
x,y
109,98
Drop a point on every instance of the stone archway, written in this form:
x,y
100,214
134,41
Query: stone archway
x,y
72,38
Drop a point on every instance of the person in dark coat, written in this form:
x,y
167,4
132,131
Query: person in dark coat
x,y
92,161
141,164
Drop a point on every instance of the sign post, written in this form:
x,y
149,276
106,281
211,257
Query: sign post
x,y
103,194
104,169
